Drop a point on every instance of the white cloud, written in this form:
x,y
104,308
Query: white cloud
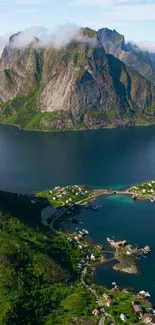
x,y
3,42
133,13
147,45
122,10
102,2
61,37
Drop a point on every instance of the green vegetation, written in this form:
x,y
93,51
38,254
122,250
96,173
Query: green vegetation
x,y
126,263
121,304
89,32
20,110
68,195
24,111
39,272
144,191
38,276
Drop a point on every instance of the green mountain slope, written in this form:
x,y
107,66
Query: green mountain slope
x,y
77,86
38,272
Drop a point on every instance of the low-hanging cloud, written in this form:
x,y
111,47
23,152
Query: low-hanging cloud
x,y
147,46
63,35
41,38
3,42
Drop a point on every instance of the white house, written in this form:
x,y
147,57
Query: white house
x,y
92,257
123,317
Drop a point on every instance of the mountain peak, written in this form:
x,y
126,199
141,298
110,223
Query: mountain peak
x,y
114,43
13,37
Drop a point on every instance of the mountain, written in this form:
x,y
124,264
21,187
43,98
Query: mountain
x,y
76,86
39,274
129,53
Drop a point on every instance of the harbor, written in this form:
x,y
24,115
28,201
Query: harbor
x,y
124,219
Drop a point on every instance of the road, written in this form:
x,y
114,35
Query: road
x,y
56,218
68,208
92,291
112,318
102,320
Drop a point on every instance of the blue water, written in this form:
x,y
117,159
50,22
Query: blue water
x,y
33,161
133,221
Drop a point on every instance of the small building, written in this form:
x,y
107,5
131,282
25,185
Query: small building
x,y
109,302
149,319
95,312
92,257
54,198
106,296
144,190
138,310
123,317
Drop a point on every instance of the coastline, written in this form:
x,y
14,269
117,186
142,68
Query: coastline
x,y
97,193
82,129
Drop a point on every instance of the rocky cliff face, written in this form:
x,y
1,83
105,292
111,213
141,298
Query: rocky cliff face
x,y
77,86
130,54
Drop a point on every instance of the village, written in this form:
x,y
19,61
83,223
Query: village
x,y
69,195
110,303
136,310
144,191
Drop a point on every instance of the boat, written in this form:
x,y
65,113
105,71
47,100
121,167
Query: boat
x,y
147,249
86,206
94,207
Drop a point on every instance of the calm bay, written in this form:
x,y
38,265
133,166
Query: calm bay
x,y
34,161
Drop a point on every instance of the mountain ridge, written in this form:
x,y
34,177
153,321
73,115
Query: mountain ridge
x,y
115,44
75,86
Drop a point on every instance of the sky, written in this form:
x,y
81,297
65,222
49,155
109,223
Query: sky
x,y
133,18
